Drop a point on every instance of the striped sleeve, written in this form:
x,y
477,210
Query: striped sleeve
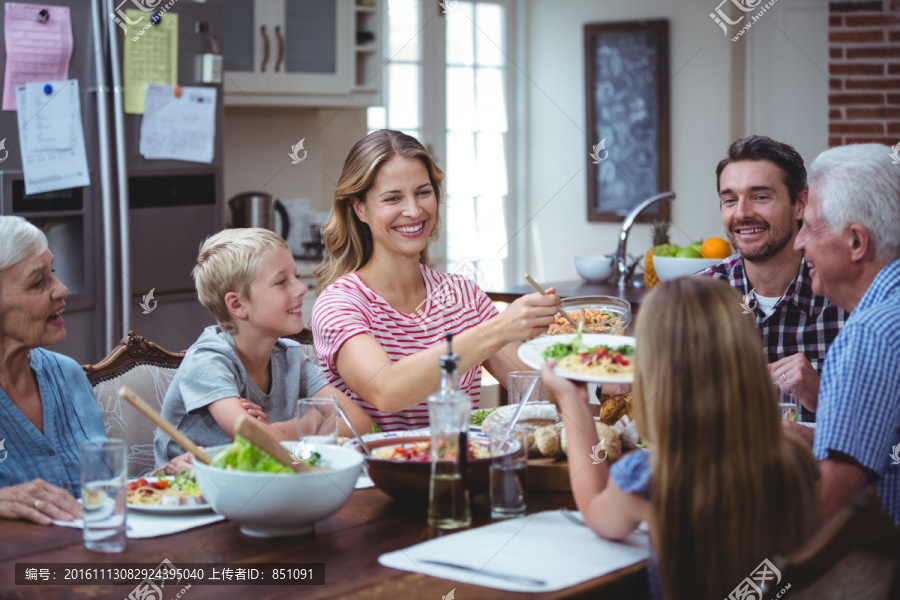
x,y
338,315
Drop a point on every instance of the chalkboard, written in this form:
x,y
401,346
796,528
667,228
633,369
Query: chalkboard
x,y
627,103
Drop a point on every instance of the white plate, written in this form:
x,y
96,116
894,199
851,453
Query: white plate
x,y
481,438
532,354
170,510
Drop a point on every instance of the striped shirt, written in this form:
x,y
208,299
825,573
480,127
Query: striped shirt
x,y
859,396
348,307
801,321
71,415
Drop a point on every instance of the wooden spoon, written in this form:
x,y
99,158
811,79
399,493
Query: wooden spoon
x,y
559,309
146,410
256,435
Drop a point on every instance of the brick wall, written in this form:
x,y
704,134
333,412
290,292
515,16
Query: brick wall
x,y
864,72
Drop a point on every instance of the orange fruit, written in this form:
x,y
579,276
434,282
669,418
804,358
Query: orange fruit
x,y
715,248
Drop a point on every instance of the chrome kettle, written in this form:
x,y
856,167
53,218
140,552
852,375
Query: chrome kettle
x,y
257,209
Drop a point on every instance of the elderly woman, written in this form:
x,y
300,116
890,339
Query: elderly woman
x,y
47,406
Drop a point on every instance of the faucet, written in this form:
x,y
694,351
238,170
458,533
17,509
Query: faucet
x,y
622,270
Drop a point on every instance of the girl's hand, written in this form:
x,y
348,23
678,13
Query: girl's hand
x,y
255,411
562,391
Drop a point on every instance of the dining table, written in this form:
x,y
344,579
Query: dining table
x,y
346,546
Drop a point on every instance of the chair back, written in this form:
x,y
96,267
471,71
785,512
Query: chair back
x,y
305,338
148,370
856,554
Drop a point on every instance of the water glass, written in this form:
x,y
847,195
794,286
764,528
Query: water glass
x,y
509,467
104,466
787,402
317,421
520,383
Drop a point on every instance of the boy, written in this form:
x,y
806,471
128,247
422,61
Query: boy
x,y
246,278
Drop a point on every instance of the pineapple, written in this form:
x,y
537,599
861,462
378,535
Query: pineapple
x,y
660,237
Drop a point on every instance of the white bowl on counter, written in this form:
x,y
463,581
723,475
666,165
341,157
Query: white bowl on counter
x,y
671,267
595,269
280,504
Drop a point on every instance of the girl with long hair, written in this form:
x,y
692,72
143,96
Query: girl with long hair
x,y
382,313
722,484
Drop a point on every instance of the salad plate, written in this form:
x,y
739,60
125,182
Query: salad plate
x,y
167,509
533,352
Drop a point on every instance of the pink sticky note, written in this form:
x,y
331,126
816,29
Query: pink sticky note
x,y
36,49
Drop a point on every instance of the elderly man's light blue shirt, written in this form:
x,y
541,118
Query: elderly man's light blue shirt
x,y
71,415
859,395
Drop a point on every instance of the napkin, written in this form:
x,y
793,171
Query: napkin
x,y
546,546
145,525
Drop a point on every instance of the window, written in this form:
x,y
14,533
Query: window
x,y
471,66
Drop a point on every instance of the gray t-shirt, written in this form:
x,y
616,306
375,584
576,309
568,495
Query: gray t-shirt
x,y
211,371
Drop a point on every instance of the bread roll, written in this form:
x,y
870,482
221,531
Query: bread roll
x,y
547,441
608,438
536,414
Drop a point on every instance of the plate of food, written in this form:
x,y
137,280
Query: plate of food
x,y
478,416
589,357
178,494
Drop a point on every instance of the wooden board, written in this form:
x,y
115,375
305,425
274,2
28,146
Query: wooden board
x,y
548,475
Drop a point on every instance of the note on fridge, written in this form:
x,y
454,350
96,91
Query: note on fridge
x,y
38,46
180,126
51,136
150,55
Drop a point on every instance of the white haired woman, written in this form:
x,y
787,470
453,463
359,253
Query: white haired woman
x,y
47,406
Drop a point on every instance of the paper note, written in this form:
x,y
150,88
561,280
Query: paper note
x,y
150,55
52,136
37,48
180,128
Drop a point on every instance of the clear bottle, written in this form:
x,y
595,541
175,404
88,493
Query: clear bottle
x,y
448,414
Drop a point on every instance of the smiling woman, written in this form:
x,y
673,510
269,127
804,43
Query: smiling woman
x,y
383,312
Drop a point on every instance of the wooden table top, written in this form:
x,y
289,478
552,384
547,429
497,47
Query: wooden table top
x,y
349,544
567,289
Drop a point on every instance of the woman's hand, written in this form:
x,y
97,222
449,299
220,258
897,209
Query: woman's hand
x,y
255,411
529,316
38,501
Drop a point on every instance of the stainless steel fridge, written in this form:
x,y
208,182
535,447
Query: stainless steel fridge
x,y
138,226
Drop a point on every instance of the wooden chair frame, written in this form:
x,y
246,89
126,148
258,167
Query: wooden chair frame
x,y
132,351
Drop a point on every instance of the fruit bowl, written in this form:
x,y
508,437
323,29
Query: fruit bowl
x,y
671,267
594,269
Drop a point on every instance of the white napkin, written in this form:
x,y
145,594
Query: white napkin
x,y
145,525
545,546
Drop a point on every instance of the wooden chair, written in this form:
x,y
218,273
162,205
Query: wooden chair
x,y
148,370
305,338
856,554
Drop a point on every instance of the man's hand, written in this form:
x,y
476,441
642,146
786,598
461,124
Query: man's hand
x,y
799,377
38,501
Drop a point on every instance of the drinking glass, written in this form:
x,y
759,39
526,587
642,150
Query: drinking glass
x,y
509,466
787,402
104,465
317,423
519,384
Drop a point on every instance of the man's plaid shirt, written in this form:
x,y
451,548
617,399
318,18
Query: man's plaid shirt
x,y
801,321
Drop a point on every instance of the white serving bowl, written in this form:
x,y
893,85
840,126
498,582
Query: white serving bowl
x,y
594,269
670,267
280,504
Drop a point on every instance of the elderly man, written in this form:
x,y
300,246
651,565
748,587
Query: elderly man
x,y
851,238
762,192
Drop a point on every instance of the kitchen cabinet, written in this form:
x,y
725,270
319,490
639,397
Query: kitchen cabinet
x,y
302,52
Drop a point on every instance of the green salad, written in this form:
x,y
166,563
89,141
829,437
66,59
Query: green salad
x,y
477,417
241,455
561,350
186,483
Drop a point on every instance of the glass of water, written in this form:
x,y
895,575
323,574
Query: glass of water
x,y
509,467
104,466
317,423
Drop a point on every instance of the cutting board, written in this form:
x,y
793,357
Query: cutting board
x,y
548,475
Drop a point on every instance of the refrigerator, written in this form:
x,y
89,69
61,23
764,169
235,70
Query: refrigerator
x,y
138,225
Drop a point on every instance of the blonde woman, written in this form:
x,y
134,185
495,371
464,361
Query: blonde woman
x,y
382,313
723,486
